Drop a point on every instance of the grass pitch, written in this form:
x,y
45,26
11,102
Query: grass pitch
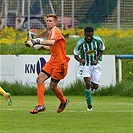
x,y
110,115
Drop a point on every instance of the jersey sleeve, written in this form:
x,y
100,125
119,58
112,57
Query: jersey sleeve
x,y
56,34
101,46
75,51
78,47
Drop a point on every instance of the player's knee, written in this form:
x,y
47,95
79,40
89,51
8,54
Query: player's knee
x,y
95,86
39,81
52,86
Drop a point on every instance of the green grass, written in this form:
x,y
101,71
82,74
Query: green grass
x,y
110,115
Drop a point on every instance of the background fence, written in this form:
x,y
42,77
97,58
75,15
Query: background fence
x,y
112,14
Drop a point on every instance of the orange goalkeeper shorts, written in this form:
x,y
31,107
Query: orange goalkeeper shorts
x,y
57,71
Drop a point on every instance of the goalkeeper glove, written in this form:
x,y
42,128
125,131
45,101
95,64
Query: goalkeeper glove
x,y
35,41
31,35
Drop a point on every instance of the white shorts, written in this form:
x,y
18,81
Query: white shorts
x,y
94,72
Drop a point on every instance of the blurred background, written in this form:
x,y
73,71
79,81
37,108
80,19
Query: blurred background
x,y
26,14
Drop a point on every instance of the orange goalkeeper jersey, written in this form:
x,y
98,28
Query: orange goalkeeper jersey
x,y
58,50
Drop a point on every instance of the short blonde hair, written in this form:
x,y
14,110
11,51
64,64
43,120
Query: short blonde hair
x,y
53,16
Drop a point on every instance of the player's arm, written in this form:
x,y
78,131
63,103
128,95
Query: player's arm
x,y
47,42
76,55
79,59
46,47
101,49
43,42
98,57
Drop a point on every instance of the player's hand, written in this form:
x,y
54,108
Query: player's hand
x,y
31,35
27,44
95,62
35,41
83,61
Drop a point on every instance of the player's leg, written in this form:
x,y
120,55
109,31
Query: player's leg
x,y
88,93
59,94
86,73
96,73
57,75
2,91
40,92
6,95
41,87
94,87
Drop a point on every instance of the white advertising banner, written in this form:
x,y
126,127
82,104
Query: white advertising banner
x,y
25,69
7,68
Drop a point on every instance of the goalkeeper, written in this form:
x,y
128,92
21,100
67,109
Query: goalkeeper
x,y
88,52
56,67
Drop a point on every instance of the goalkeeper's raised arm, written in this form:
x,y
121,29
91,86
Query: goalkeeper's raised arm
x,y
43,42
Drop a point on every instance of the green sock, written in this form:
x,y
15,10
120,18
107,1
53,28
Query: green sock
x,y
88,96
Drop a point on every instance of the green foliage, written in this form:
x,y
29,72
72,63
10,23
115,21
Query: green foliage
x,y
116,41
120,89
113,45
19,49
77,88
71,43
18,88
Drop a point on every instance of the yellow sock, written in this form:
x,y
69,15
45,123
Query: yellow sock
x,y
2,91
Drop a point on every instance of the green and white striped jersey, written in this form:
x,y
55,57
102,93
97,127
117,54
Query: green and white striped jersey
x,y
89,51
